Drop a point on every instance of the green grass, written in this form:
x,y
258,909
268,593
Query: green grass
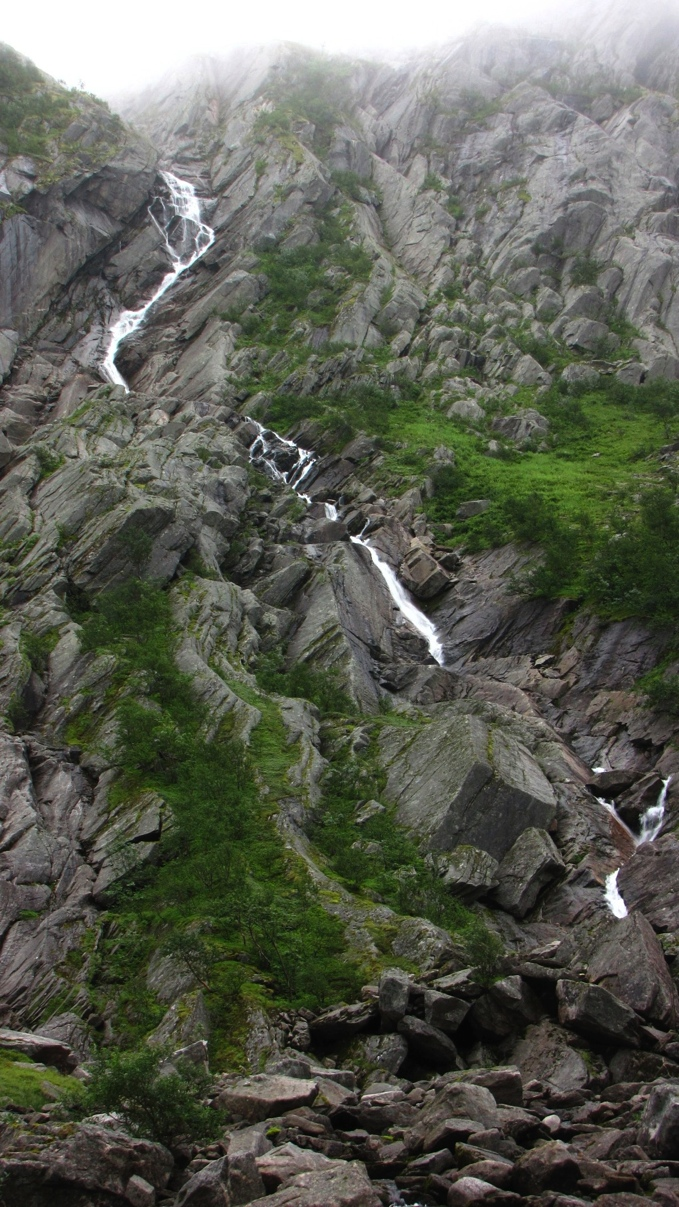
x,y
224,875
21,1081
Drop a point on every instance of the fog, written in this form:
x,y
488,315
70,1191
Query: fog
x,y
110,49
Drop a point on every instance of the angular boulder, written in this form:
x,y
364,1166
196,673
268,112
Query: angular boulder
x,y
457,1100
508,1006
422,575
428,1043
280,1165
457,782
39,1047
343,1184
546,1053
629,962
523,427
468,873
659,1132
393,995
264,1095
593,1011
344,1021
207,1187
443,1011
92,1161
550,1166
530,864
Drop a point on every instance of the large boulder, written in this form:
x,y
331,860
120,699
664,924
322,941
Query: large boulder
x,y
92,1161
592,1011
550,1166
526,869
422,575
659,1132
546,1053
508,1006
207,1187
456,1100
344,1021
343,1184
39,1047
265,1095
394,992
427,1043
629,962
524,426
468,873
459,782
444,1011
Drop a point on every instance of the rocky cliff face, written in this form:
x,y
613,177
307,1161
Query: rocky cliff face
x,y
237,787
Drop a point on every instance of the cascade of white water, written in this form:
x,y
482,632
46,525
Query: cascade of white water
x,y
652,819
614,899
270,449
404,602
185,241
651,825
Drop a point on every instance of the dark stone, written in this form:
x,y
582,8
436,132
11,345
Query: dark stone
x,y
428,1043
595,1012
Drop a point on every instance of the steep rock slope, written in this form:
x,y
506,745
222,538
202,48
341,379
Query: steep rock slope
x,y
236,784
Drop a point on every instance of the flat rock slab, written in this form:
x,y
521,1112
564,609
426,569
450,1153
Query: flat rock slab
x,y
264,1096
39,1047
344,1021
460,781
345,1184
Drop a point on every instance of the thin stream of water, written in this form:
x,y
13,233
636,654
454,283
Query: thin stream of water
x,y
651,825
185,242
288,463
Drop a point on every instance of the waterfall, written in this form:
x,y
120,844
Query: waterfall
x,y
185,243
288,463
652,820
405,603
651,825
614,899
283,459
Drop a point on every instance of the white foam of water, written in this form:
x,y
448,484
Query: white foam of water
x,y
613,896
263,448
189,243
651,825
405,604
652,819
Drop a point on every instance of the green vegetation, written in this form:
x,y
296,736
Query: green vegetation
x,y
21,1082
585,270
224,875
160,1105
36,112
313,88
48,461
32,108
661,691
380,860
302,681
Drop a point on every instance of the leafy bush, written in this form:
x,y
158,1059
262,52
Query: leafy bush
x,y
163,1107
585,270
322,688
32,107
662,692
223,870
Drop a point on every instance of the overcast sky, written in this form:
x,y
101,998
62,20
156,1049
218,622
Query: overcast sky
x,y
110,48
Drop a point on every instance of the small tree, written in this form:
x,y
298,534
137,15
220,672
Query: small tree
x,y
162,1107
